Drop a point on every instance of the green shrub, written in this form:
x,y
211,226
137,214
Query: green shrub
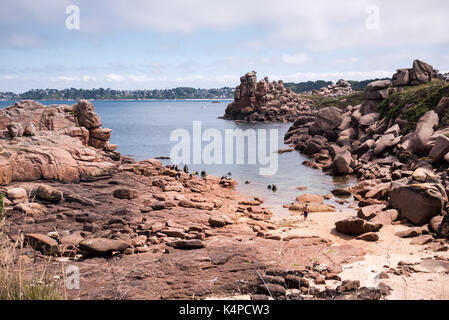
x,y
320,102
412,102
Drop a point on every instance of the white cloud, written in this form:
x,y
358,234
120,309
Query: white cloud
x,y
112,77
315,25
295,59
306,76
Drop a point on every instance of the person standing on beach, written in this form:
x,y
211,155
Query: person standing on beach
x,y
306,212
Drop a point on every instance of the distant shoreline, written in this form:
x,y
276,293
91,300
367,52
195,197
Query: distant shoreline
x,y
176,99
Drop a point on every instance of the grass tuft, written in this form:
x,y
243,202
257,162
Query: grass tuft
x,y
20,278
414,101
320,102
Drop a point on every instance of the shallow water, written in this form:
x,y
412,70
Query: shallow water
x,y
142,129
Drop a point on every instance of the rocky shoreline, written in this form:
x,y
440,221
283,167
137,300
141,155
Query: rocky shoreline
x,y
141,230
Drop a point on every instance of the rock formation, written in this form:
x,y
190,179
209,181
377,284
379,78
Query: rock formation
x,y
339,89
400,164
58,142
265,101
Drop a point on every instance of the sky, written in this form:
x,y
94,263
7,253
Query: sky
x,y
146,44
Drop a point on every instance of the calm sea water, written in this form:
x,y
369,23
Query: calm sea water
x,y
142,129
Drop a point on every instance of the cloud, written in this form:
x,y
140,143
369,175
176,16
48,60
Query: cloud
x,y
315,25
306,76
295,59
112,77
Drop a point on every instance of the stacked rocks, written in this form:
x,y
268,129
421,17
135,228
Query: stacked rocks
x,y
339,89
265,101
421,72
374,93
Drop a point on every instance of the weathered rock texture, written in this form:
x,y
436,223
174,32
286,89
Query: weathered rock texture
x,y
339,89
60,142
266,101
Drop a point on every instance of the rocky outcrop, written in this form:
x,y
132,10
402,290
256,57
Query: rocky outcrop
x,y
420,72
358,140
64,143
339,89
266,101
374,93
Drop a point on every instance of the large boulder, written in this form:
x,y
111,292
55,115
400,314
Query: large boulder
x,y
342,163
369,120
418,203
356,226
401,77
421,72
423,133
442,107
85,113
328,119
383,143
440,149
377,90
369,212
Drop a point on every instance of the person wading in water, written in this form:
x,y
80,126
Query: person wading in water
x,y
306,212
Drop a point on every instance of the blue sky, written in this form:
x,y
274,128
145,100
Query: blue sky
x,y
139,44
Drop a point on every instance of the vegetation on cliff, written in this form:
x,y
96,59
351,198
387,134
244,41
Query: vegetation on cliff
x,y
320,102
410,103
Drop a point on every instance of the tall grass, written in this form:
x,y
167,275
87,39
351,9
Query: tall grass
x,y
20,277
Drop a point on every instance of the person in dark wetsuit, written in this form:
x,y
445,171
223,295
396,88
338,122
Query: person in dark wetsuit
x,y
306,212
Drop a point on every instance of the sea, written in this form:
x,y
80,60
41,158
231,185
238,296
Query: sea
x,y
193,131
